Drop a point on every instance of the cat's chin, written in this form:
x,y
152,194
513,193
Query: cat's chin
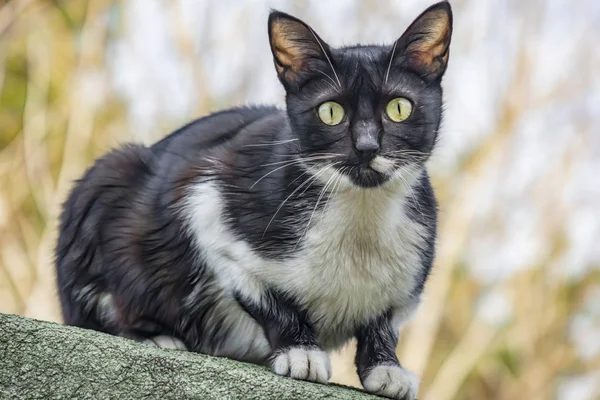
x,y
366,177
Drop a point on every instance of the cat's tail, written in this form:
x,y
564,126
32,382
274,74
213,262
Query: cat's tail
x,y
83,276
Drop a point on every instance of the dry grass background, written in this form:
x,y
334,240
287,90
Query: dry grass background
x,y
512,310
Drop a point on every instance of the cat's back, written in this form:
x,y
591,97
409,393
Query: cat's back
x,y
222,127
125,180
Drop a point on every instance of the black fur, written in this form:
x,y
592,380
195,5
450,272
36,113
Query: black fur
x,y
376,345
284,322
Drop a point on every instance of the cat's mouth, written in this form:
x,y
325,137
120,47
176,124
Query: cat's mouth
x,y
364,174
367,177
371,174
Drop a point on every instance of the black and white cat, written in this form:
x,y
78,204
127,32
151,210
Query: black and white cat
x,y
268,235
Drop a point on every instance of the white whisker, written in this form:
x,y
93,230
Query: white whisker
x,y
275,170
275,143
412,192
310,179
332,84
387,74
315,209
336,185
298,177
407,152
319,173
301,159
326,56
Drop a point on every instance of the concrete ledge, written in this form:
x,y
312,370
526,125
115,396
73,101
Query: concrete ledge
x,y
43,360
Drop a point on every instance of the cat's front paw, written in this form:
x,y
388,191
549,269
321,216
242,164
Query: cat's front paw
x,y
306,363
392,381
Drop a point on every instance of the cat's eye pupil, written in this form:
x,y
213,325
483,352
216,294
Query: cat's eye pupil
x,y
331,113
398,109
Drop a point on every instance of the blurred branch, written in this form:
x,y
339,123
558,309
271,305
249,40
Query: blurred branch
x,y
2,68
81,116
185,42
457,366
37,165
80,127
63,12
16,296
10,12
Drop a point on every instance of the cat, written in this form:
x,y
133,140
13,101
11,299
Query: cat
x,y
274,236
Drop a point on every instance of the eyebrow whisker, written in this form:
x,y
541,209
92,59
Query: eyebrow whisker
x,y
387,74
326,56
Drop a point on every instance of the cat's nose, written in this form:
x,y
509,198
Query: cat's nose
x,y
366,139
367,147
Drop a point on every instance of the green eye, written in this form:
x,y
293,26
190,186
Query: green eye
x,y
398,109
331,113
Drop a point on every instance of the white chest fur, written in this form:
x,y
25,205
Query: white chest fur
x,y
358,258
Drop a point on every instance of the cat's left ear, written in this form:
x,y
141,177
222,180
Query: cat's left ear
x,y
425,46
296,48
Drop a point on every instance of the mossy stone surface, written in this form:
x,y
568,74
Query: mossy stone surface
x,y
43,360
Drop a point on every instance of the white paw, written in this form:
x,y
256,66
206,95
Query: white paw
x,y
165,342
392,381
304,363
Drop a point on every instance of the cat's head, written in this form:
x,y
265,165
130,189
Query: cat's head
x,y
367,112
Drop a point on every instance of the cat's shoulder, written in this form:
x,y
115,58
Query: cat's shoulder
x,y
220,126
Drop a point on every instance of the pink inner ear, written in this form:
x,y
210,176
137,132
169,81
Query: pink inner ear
x,y
435,31
293,44
429,54
289,42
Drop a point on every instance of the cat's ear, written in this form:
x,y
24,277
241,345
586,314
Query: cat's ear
x,y
295,46
425,46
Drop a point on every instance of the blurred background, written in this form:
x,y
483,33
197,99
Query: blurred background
x,y
512,310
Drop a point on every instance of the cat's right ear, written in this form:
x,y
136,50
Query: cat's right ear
x,y
425,46
295,46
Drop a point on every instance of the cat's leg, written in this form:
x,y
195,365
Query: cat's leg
x,y
377,364
296,351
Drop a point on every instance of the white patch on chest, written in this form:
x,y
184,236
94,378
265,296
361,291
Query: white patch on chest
x,y
358,259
